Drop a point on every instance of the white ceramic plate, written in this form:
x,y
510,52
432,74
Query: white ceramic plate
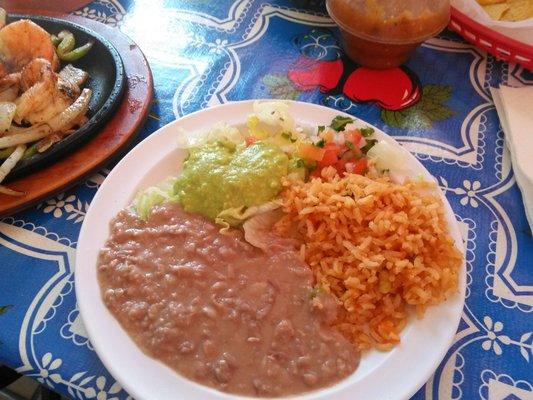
x,y
397,374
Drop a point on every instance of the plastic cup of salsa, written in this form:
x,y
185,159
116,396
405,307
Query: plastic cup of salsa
x,y
383,33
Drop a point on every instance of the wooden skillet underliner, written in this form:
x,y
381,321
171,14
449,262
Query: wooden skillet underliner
x,y
114,137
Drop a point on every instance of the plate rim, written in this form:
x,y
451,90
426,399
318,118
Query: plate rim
x,y
331,392
99,118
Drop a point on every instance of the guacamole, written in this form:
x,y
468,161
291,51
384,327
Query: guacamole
x,y
218,176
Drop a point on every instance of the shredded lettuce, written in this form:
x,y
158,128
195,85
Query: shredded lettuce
x,y
220,132
270,118
237,215
152,196
258,228
419,178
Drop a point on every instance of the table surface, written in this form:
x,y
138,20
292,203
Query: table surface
x,y
204,53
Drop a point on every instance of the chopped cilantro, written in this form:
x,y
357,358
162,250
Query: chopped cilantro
x,y
288,136
366,132
320,143
369,144
339,123
312,166
321,128
300,163
349,145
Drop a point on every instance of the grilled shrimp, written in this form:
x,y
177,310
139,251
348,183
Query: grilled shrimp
x,y
38,70
45,95
22,41
3,69
10,87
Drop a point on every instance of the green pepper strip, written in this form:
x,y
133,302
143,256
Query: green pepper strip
x,y
30,151
55,40
67,43
5,153
78,53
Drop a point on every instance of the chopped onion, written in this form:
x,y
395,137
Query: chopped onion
x,y
386,157
349,167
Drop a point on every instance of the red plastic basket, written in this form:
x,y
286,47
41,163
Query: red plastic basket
x,y
500,46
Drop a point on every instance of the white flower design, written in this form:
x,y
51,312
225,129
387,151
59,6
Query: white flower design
x,y
102,393
470,193
218,47
57,205
75,210
45,372
112,19
493,338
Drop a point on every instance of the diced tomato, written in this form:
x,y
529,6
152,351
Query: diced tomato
x,y
360,166
340,166
316,173
331,155
311,152
330,158
354,137
250,140
333,147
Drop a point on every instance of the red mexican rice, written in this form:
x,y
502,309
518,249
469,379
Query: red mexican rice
x,y
379,247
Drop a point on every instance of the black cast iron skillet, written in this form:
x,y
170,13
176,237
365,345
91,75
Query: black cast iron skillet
x,y
106,80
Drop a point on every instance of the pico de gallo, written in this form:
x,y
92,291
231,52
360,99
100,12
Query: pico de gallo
x,y
341,145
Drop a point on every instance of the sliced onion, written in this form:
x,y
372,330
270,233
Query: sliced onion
x,y
11,161
68,118
7,112
3,17
22,136
44,144
73,75
10,192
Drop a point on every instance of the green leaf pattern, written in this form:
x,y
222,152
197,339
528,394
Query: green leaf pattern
x,y
280,87
430,109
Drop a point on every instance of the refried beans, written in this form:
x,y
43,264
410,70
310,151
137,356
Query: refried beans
x,y
218,310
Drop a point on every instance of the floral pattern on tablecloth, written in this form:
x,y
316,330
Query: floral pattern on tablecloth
x,y
205,53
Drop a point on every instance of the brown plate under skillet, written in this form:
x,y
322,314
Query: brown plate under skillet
x,y
118,132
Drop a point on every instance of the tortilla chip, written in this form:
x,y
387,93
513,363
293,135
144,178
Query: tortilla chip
x,y
496,11
518,10
489,2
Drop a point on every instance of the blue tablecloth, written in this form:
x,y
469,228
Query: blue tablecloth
x,y
204,53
